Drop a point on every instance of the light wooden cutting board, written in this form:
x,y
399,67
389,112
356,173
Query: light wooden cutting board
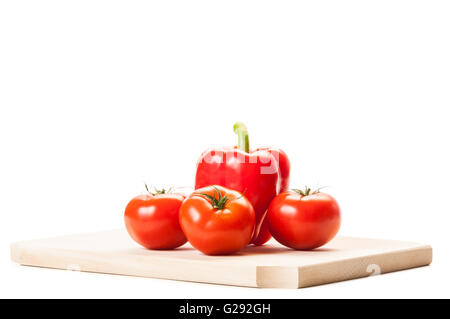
x,y
272,265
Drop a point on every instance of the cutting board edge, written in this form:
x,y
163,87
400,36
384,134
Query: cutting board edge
x,y
365,266
243,276
261,276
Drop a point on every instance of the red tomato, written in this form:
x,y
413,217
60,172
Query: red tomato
x,y
152,220
217,220
303,220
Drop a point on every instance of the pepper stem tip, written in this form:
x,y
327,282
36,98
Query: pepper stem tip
x,y
241,131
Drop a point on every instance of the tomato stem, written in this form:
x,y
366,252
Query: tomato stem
x,y
306,191
243,141
217,203
157,191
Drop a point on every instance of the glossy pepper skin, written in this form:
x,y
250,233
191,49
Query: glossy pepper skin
x,y
255,174
284,168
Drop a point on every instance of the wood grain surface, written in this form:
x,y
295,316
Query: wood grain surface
x,y
272,265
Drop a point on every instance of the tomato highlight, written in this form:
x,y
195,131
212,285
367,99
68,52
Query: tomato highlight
x,y
217,220
152,220
303,220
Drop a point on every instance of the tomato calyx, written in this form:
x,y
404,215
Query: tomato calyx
x,y
217,203
157,191
306,191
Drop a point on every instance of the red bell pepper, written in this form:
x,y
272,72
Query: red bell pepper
x,y
284,166
259,175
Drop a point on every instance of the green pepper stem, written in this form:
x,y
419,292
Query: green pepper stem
x,y
243,141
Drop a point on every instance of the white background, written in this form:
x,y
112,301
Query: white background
x,y
98,96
